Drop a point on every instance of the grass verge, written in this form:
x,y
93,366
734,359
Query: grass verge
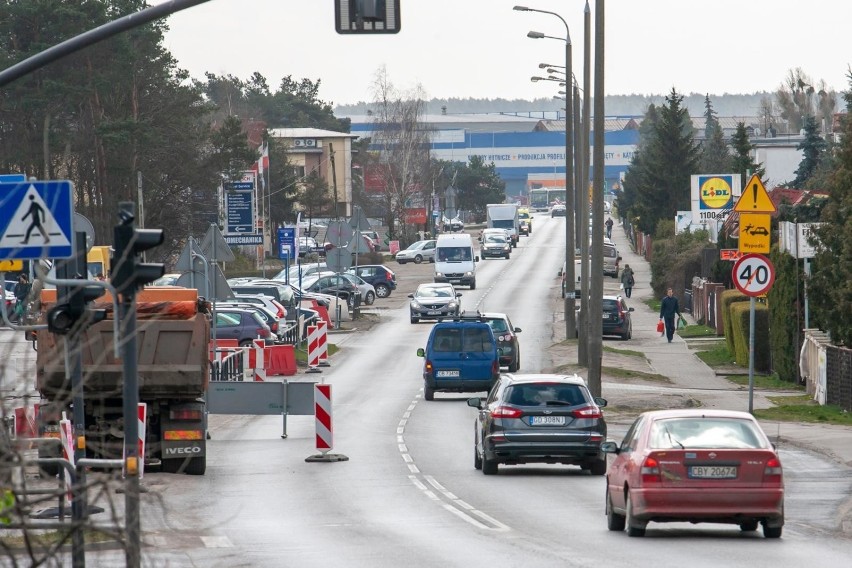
x,y
627,352
654,304
717,356
804,409
697,331
302,356
628,374
766,382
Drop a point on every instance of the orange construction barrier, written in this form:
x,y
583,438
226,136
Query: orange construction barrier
x,y
280,360
322,311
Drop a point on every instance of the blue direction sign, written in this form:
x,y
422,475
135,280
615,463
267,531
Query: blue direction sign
x,y
7,178
287,242
239,212
36,220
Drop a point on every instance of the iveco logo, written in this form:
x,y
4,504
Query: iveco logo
x,y
182,451
548,412
712,455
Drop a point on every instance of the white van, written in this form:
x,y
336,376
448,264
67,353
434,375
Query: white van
x,y
455,261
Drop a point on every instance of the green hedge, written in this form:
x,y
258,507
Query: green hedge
x,y
739,318
729,297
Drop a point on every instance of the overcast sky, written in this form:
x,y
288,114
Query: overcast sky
x,y
479,48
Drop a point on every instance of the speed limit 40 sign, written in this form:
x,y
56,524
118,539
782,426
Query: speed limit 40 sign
x,y
753,275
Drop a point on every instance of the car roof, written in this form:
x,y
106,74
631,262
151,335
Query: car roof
x,y
494,315
434,285
697,413
516,378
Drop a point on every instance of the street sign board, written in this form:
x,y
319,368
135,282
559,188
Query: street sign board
x,y
239,209
287,242
191,257
754,198
359,221
215,247
11,265
9,178
338,259
339,233
754,233
237,240
36,220
753,275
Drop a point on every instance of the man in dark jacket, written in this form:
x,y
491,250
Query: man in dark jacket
x,y
21,291
668,308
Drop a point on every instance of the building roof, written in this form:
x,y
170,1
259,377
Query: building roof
x,y
610,124
455,118
308,133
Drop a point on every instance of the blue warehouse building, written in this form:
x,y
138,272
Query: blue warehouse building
x,y
527,151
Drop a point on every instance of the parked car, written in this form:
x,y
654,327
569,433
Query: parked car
x,y
507,339
335,285
495,246
417,252
267,302
305,269
374,236
309,245
695,465
540,418
383,279
368,292
434,301
616,317
277,290
270,318
557,210
241,324
611,259
460,356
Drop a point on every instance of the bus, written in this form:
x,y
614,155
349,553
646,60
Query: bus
x,y
543,198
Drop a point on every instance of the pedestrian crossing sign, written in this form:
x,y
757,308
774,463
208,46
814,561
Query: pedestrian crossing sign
x,y
36,220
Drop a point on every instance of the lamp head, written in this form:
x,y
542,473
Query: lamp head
x,y
521,9
535,35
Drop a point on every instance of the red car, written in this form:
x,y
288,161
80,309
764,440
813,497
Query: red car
x,y
696,466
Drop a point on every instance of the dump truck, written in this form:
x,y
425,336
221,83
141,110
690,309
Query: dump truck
x,y
173,333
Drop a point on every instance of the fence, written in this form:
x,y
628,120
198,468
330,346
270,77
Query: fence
x,y
827,370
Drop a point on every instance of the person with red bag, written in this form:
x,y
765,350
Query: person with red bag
x,y
669,307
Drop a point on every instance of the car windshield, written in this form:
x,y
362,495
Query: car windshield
x,y
430,292
545,394
454,254
702,432
495,239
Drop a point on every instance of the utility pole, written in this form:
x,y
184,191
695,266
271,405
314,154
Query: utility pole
x,y
583,324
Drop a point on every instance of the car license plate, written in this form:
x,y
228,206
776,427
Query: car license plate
x,y
713,472
455,281
433,313
451,373
547,420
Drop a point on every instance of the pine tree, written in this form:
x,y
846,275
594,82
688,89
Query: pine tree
x,y
830,288
669,159
742,161
813,148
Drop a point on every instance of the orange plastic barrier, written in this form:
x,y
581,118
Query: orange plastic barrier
x,y
322,311
280,360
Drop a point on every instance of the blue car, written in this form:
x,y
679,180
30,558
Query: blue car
x,y
460,356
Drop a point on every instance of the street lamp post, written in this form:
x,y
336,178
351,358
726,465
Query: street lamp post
x,y
570,209
583,342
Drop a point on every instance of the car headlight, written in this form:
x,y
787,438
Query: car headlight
x,y
452,305
439,274
415,304
468,274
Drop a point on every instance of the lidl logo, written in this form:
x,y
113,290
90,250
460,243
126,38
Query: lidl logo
x,y
715,193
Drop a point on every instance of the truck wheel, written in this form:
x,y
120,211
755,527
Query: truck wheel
x,y
418,259
428,393
473,285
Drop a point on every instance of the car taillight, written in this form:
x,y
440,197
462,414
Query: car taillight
x,y
388,276
506,412
185,414
772,471
651,471
495,369
429,367
506,337
587,412
263,332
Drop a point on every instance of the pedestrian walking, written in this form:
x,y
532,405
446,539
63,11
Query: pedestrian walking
x,y
21,291
608,227
668,308
627,280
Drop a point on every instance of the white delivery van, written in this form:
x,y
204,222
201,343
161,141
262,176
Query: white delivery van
x,y
455,261
504,216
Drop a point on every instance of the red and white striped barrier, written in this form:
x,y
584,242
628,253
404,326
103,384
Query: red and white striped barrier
x,y
142,415
316,344
66,438
257,360
323,356
322,410
25,421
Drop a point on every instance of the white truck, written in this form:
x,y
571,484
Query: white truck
x,y
504,216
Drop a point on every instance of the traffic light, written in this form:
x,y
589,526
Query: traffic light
x,y
128,274
72,301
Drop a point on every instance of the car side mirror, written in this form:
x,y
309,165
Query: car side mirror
x,y
630,309
475,402
411,295
421,352
600,401
517,330
458,294
618,259
610,448
476,259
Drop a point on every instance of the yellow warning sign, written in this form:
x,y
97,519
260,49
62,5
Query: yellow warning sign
x,y
754,233
754,198
11,265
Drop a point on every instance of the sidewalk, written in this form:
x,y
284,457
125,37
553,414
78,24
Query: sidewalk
x,y
689,374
